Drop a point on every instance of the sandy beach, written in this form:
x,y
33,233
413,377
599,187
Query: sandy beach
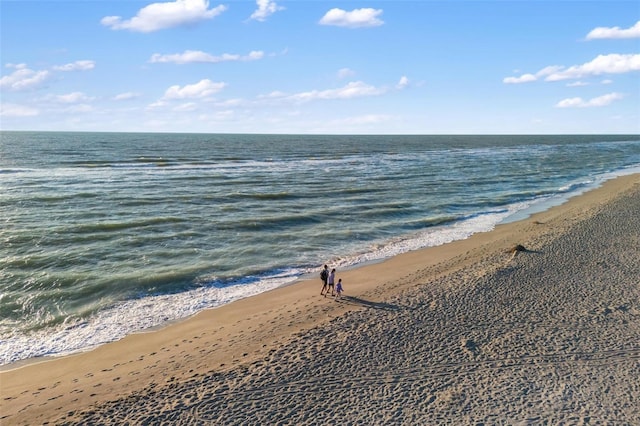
x,y
472,332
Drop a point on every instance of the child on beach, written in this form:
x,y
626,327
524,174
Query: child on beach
x,y
339,289
330,283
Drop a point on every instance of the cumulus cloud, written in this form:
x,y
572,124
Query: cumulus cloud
x,y
186,107
23,78
402,83
528,77
157,104
126,96
265,9
204,88
76,66
613,63
595,102
72,98
614,32
193,56
357,18
603,64
524,78
13,110
160,16
276,94
352,90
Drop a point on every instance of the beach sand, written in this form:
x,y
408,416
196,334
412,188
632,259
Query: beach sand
x,y
465,333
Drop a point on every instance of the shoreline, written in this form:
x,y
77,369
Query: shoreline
x,y
536,206
237,338
522,215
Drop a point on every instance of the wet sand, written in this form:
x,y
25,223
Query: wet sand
x,y
467,333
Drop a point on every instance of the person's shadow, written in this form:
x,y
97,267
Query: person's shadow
x,y
368,304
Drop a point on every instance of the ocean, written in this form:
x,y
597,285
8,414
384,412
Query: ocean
x,y
107,234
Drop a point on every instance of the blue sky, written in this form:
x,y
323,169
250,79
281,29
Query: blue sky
x,y
329,67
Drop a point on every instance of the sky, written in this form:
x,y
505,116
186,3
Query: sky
x,y
321,67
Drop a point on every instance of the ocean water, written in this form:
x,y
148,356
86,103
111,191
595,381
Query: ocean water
x,y
107,234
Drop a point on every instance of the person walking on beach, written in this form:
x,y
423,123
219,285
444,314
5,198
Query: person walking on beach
x,y
324,276
330,282
339,289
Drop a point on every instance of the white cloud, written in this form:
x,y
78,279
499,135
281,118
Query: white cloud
x,y
571,103
126,96
13,110
614,32
72,98
186,107
603,64
76,66
595,102
345,73
404,82
548,70
204,88
276,94
352,90
357,18
23,78
527,78
265,9
157,104
159,16
524,78
193,56
577,84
